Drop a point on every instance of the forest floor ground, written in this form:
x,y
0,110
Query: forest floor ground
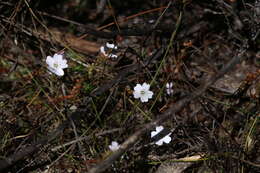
x,y
201,60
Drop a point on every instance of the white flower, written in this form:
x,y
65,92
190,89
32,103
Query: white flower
x,y
169,89
142,92
166,139
114,146
56,64
107,50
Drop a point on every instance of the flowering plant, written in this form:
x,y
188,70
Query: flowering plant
x,y
169,89
108,50
56,64
166,139
143,92
114,146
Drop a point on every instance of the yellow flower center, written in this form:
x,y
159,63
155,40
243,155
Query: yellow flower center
x,y
56,65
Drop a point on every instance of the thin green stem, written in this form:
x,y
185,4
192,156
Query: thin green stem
x,y
168,47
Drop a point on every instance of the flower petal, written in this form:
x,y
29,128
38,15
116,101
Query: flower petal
x,y
49,61
137,94
63,64
59,72
153,133
102,50
167,139
159,128
160,142
149,94
53,70
111,46
146,86
144,98
58,57
113,56
138,87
